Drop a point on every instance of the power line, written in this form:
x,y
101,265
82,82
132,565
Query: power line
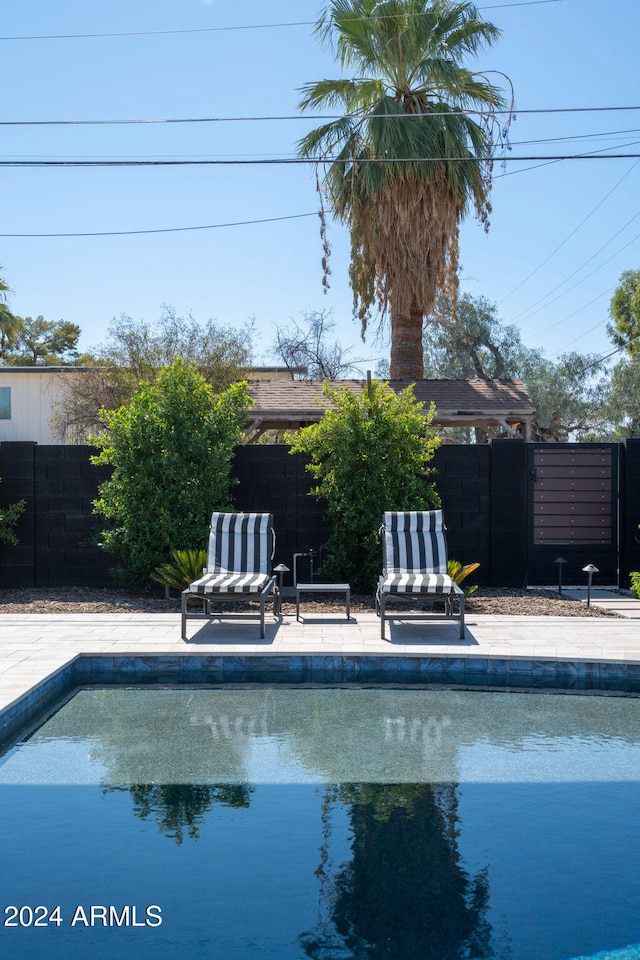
x,y
303,161
577,136
314,117
613,134
250,26
566,240
586,333
605,356
579,310
531,312
123,233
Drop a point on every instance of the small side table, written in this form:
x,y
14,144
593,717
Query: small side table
x,y
324,588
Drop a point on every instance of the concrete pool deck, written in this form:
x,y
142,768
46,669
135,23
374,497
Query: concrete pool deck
x,y
42,655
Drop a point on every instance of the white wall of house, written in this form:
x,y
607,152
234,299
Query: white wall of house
x,y
27,399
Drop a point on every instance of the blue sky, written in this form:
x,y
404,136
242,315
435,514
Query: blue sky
x,y
561,232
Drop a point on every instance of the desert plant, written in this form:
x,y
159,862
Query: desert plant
x,y
187,566
458,573
368,453
635,583
171,451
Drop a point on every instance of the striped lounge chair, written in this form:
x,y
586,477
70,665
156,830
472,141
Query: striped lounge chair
x,y
414,554
241,548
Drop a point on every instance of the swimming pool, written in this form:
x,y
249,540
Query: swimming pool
x,y
328,823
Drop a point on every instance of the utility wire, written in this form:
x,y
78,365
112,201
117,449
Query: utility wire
x,y
566,240
103,233
613,134
250,26
531,312
605,356
571,315
302,161
314,117
577,136
123,233
586,333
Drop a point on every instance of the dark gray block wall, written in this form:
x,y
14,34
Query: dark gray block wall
x,y
484,492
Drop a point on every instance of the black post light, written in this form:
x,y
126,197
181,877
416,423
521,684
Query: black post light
x,y
281,569
561,562
590,569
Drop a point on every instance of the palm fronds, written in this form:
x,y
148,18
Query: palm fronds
x,y
413,151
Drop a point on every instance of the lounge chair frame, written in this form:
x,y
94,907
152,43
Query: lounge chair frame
x,y
414,557
238,567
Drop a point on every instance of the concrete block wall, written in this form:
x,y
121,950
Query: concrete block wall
x,y
508,509
484,491
463,480
58,529
17,482
272,480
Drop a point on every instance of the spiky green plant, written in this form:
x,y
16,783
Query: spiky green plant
x,y
187,566
458,573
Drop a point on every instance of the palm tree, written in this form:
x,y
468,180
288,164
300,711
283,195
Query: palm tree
x,y
411,154
9,323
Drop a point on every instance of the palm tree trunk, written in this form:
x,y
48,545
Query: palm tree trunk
x,y
407,359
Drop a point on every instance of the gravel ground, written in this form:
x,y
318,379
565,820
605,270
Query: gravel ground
x,y
72,600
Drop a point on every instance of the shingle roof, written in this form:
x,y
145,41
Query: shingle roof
x,y
281,404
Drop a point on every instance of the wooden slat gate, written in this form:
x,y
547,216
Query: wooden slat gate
x,y
573,511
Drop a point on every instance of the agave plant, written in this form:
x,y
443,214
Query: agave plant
x,y
187,567
458,573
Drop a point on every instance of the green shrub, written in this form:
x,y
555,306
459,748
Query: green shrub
x,y
369,453
171,451
635,583
9,516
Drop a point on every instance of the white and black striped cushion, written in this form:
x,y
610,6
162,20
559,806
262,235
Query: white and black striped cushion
x,y
230,583
417,583
415,542
239,544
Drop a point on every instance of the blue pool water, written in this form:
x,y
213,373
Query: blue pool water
x,y
338,824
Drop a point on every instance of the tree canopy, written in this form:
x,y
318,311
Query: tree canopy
x,y
136,351
40,342
466,338
9,323
625,312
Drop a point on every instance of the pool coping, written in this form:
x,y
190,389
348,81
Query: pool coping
x,y
43,657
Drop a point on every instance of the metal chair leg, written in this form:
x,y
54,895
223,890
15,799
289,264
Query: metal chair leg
x,y
183,607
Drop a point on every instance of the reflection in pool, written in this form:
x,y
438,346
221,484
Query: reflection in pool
x,y
324,823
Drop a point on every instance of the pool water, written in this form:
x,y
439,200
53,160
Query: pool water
x,y
337,824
